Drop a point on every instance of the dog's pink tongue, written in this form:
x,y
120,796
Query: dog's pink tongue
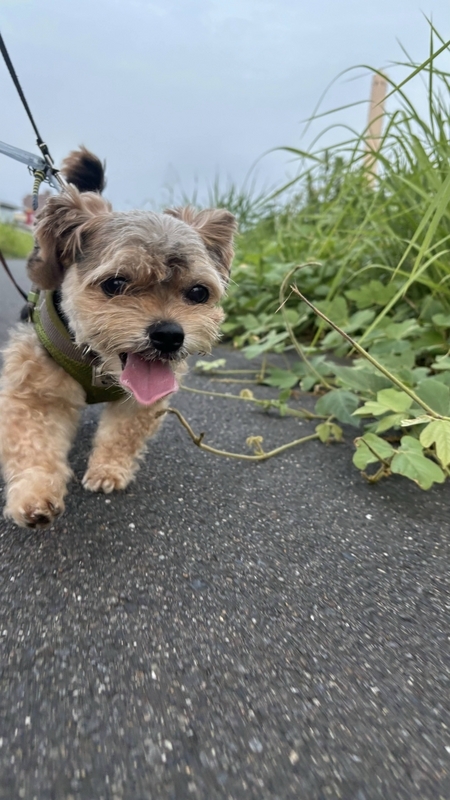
x,y
148,380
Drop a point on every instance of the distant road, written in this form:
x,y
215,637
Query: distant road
x,y
11,302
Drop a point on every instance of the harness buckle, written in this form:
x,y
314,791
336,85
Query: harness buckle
x,y
32,300
101,379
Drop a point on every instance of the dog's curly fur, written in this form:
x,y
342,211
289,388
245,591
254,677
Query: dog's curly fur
x,y
81,243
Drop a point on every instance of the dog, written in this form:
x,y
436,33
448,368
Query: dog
x,y
126,297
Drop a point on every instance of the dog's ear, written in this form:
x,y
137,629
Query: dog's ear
x,y
63,223
217,227
84,170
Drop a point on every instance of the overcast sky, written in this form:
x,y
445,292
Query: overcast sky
x,y
182,90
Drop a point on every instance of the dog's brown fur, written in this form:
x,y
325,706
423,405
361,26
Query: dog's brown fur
x,y
81,243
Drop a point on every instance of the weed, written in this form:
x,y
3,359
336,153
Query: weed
x,y
15,242
378,232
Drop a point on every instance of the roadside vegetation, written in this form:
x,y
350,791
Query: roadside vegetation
x,y
344,273
373,237
14,241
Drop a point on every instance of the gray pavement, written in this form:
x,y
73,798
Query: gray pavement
x,y
228,630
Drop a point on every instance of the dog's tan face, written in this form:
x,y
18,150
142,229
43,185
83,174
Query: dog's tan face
x,y
140,289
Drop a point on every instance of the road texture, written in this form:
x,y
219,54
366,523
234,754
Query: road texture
x,y
225,629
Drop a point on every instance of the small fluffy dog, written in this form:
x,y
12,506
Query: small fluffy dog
x,y
130,296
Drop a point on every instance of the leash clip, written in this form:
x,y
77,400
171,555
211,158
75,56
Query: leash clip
x,y
40,175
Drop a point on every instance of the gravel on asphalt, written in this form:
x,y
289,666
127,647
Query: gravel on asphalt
x,y
225,629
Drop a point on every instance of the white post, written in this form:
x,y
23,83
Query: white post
x,y
375,125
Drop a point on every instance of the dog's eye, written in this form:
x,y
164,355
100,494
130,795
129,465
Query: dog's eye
x,y
198,294
113,286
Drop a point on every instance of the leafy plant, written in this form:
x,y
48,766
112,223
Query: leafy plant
x,y
14,241
370,318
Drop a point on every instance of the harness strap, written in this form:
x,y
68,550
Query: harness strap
x,y
56,334
78,361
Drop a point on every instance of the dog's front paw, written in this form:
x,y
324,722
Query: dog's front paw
x,y
34,512
106,478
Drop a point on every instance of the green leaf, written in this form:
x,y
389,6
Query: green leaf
x,y
250,322
388,422
441,320
410,461
402,330
292,316
413,376
321,365
282,378
430,307
229,327
270,342
370,449
328,431
429,341
441,363
372,293
358,321
435,394
361,379
437,432
395,362
309,382
340,404
443,377
387,400
336,431
336,309
334,341
394,355
283,397
371,409
394,400
323,431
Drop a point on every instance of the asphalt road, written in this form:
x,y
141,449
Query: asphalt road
x,y
228,630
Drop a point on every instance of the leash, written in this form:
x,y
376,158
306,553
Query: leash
x,y
46,167
43,169
40,142
11,276
34,164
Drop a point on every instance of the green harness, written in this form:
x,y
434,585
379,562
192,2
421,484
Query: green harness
x,y
80,362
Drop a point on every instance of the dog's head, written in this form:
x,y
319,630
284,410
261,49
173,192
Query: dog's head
x,y
141,289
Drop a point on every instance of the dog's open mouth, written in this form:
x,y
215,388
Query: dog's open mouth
x,y
149,381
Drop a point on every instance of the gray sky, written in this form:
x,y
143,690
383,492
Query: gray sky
x,y
173,90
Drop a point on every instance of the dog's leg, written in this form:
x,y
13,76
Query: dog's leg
x,y
39,410
120,440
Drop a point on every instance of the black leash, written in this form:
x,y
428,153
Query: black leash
x,y
39,174
9,273
40,142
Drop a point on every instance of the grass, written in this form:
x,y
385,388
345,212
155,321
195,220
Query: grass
x,y
15,242
383,247
380,244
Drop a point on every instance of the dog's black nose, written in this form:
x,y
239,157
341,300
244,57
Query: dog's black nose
x,y
167,337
